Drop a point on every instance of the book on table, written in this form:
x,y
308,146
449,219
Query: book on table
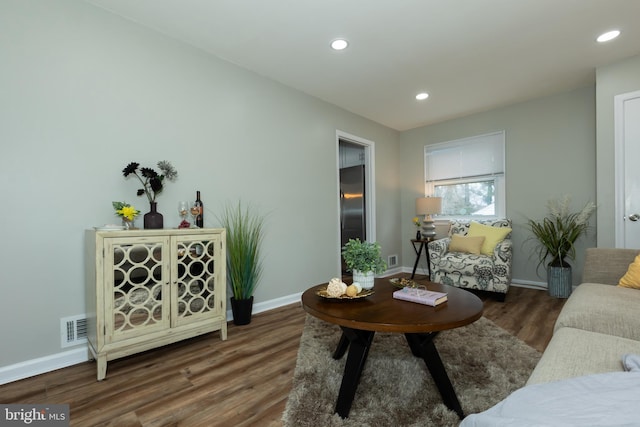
x,y
421,296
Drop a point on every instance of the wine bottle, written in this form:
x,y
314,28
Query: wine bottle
x,y
200,217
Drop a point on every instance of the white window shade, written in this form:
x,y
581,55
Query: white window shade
x,y
476,156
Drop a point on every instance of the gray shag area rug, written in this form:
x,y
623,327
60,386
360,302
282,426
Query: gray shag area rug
x,y
484,362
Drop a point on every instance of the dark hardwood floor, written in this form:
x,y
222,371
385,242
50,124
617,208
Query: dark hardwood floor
x,y
243,381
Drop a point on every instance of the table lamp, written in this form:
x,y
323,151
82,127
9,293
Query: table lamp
x,y
428,206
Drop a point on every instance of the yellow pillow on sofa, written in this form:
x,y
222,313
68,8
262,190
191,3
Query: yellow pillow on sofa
x,y
466,244
631,279
492,236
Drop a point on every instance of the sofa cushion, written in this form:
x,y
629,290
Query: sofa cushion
x,y
575,352
631,279
492,235
465,244
607,399
601,308
607,265
465,264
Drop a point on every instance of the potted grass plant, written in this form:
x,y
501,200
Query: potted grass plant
x,y
244,227
555,237
364,260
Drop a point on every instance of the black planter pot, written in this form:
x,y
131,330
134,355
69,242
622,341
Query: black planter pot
x,y
241,310
153,219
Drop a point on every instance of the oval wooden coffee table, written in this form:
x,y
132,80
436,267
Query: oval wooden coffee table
x,y
360,319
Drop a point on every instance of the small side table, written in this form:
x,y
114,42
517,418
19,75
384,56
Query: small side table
x,y
418,250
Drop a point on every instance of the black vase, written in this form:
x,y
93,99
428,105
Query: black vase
x,y
241,309
153,219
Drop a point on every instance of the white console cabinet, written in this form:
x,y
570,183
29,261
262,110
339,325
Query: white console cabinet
x,y
149,288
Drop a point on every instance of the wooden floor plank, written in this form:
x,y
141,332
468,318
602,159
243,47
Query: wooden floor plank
x,y
243,381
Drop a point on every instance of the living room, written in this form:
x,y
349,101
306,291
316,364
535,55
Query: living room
x,y
86,92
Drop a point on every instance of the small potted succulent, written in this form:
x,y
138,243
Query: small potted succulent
x,y
364,260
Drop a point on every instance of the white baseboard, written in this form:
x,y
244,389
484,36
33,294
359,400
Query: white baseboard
x,y
41,365
271,304
44,364
541,286
393,271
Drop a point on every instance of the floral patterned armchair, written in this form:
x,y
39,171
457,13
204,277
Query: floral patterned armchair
x,y
466,270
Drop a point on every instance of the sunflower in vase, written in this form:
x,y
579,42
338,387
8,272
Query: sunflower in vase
x,y
417,223
127,212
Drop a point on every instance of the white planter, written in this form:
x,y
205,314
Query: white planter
x,y
365,279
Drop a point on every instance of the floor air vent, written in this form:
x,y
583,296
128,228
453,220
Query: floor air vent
x,y
73,330
392,260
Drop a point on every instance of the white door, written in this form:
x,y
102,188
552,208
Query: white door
x,y
627,147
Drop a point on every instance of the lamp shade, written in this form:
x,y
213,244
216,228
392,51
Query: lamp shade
x,y
428,205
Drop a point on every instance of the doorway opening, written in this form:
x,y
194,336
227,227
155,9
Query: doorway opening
x,y
355,190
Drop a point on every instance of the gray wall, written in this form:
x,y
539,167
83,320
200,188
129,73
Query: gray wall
x,y
611,80
550,152
85,92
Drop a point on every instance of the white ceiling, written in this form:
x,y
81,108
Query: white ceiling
x,y
470,55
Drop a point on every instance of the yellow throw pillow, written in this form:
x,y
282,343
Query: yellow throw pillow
x,y
492,236
468,245
631,279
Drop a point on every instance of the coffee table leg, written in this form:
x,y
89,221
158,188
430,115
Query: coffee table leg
x,y
342,347
359,344
422,346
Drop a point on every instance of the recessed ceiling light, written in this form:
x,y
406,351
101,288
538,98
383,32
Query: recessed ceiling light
x,y
609,35
422,96
339,44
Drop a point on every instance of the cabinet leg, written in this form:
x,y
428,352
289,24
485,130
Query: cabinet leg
x,y
223,332
101,361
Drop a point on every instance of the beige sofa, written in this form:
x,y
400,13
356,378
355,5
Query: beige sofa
x,y
598,324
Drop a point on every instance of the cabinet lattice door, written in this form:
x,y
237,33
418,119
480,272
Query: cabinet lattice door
x,y
196,281
134,287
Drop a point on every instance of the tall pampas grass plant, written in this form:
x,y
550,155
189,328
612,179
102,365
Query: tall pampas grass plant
x,y
557,233
244,237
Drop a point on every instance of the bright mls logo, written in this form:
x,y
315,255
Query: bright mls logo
x,y
34,415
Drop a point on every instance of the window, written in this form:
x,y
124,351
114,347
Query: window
x,y
469,176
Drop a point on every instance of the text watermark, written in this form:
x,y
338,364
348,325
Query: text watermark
x,y
34,415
